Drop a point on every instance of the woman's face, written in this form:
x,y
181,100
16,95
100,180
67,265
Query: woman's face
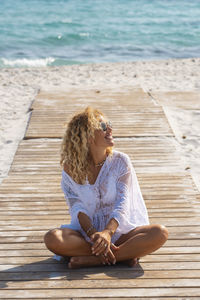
x,y
103,137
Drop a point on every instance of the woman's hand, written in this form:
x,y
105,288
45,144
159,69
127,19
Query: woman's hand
x,y
109,258
103,247
101,242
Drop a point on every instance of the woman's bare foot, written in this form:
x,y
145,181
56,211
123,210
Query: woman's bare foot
x,y
130,262
92,261
84,261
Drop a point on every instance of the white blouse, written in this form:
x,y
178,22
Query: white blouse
x,y
115,194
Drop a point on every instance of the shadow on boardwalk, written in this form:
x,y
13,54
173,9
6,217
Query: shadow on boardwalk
x,y
49,269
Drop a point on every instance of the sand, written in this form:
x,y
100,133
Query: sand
x,y
18,88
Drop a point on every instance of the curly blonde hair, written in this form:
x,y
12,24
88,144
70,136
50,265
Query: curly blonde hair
x,y
75,151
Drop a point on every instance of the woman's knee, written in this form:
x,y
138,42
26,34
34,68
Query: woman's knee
x,y
52,237
160,233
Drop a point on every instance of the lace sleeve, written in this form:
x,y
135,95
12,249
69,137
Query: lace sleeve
x,y
129,209
72,198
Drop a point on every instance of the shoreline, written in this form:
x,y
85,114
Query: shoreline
x,y
19,87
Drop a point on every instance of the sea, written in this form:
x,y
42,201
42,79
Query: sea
x,y
37,33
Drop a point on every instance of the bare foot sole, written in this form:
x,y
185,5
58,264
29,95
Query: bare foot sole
x,y
84,261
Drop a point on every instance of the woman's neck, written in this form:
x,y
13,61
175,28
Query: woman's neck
x,y
98,156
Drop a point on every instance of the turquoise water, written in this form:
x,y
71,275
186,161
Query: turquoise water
x,y
60,32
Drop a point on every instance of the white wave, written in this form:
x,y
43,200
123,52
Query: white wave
x,y
24,62
84,34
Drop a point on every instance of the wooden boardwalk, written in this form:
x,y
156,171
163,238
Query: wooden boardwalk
x,y
31,202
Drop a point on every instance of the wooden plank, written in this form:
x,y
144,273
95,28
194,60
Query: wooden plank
x,y
83,293
37,267
23,233
106,273
57,97
154,257
141,298
103,284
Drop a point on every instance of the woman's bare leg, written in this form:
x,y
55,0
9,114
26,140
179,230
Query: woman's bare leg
x,y
137,243
68,242
140,241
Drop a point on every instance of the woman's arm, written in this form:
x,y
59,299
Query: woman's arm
x,y
106,255
111,227
86,224
89,229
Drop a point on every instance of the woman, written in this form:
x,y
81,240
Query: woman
x,y
109,221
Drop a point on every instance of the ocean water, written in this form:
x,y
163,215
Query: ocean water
x,y
61,32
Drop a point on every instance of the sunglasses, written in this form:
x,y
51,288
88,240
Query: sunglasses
x,y
105,125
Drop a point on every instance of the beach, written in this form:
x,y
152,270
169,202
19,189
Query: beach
x,y
19,87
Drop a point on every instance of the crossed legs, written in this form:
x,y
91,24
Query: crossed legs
x,y
138,242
